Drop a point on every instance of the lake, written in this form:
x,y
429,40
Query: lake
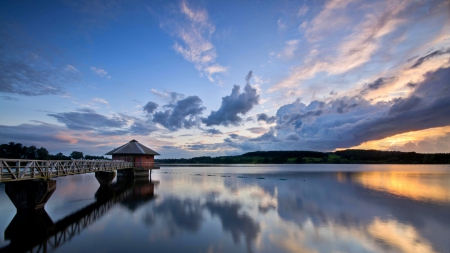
x,y
243,208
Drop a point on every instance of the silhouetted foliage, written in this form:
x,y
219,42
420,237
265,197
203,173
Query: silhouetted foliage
x,y
18,151
94,157
77,155
343,157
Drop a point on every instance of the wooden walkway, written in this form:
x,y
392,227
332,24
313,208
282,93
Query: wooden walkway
x,y
19,169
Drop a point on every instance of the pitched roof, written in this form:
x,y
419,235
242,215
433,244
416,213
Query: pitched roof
x,y
132,148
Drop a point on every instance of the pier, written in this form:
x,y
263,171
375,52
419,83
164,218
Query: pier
x,y
29,183
44,235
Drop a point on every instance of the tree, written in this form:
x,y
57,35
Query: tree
x,y
31,152
13,150
76,155
42,154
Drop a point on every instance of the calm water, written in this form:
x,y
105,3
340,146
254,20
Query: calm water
x,y
272,208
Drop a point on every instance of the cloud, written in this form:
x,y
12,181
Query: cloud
x,y
150,107
429,56
257,130
302,11
289,49
71,68
234,136
87,119
194,31
53,137
429,145
213,131
232,105
267,137
359,39
377,84
183,113
100,72
350,121
27,69
141,127
332,15
100,100
9,98
267,119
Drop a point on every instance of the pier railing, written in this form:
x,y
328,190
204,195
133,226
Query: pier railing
x,y
20,169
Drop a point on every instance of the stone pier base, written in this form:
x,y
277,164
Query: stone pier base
x,y
31,194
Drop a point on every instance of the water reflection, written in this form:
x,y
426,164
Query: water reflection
x,y
36,232
427,187
309,212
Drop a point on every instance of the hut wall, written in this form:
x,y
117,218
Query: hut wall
x,y
144,161
122,157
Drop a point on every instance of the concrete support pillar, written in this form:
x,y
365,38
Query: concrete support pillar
x,y
31,194
105,177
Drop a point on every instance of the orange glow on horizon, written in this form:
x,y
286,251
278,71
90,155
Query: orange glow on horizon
x,y
389,143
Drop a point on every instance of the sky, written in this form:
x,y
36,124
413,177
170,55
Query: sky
x,y
212,78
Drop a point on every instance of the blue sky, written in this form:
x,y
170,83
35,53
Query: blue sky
x,y
191,78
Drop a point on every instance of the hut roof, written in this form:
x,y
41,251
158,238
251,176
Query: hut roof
x,y
132,148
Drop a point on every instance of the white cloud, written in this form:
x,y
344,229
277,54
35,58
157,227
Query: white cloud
x,y
71,68
289,49
194,31
100,100
100,72
302,11
349,52
331,17
281,25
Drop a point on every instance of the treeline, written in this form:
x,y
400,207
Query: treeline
x,y
339,157
18,151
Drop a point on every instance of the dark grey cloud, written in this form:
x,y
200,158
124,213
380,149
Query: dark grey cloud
x,y
429,56
213,131
249,119
183,113
266,118
268,137
234,136
257,130
141,127
350,121
87,119
248,77
375,85
150,107
232,105
204,147
411,85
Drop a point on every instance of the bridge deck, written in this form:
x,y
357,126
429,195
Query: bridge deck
x,y
20,169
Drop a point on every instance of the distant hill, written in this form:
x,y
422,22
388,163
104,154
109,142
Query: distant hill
x,y
349,156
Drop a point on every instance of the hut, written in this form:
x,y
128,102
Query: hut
x,y
135,152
